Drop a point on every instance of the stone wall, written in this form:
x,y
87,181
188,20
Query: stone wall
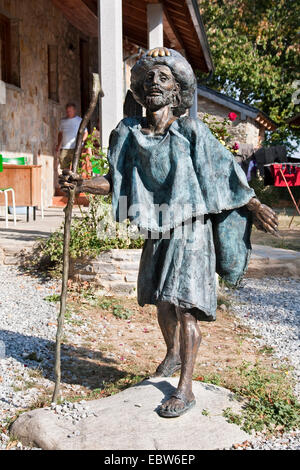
x,y
114,271
29,119
243,131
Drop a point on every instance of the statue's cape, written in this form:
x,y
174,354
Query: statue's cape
x,y
161,181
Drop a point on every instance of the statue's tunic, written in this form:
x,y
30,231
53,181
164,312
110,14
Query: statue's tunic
x,y
185,190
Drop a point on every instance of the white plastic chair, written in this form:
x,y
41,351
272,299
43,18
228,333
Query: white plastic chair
x,y
6,191
42,200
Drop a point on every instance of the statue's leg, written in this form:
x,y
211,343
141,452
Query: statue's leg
x,y
190,338
169,325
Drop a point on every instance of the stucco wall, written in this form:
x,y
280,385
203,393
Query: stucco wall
x,y
242,131
29,120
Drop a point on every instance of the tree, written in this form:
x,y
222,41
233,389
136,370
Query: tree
x,y
255,48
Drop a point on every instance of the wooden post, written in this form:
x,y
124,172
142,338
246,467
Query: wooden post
x,y
155,25
110,45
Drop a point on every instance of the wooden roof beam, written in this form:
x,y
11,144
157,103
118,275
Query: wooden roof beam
x,y
200,31
263,121
172,33
79,15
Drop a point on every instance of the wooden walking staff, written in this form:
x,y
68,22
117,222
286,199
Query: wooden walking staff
x,y
97,90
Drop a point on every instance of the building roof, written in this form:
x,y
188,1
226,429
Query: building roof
x,y
80,13
183,26
244,109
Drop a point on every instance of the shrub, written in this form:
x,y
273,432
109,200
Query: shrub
x,y
266,194
98,157
85,239
221,130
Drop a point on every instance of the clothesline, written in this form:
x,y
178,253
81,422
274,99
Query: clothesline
x,y
286,174
274,172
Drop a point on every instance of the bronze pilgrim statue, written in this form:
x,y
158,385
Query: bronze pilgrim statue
x,y
178,184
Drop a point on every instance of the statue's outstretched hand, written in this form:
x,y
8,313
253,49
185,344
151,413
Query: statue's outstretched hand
x,y
69,180
159,51
264,218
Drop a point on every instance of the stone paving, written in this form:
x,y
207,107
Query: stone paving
x,y
23,236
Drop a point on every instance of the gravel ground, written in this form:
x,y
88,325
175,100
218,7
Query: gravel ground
x,y
288,441
271,308
28,326
27,335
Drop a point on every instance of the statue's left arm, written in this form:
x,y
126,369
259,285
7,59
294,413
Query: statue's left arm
x,y
225,182
264,218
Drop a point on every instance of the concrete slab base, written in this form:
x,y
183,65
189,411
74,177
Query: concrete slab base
x,y
129,421
268,261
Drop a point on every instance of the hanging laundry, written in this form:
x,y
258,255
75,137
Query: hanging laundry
x,y
282,174
260,157
267,155
252,168
280,154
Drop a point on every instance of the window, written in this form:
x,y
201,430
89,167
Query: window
x,y
4,48
53,73
9,51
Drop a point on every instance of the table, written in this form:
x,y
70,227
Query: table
x,y
26,182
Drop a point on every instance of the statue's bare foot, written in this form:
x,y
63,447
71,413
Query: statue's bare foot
x,y
177,405
168,366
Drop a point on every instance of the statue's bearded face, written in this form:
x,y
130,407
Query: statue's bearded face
x,y
160,88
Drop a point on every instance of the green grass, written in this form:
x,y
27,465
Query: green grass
x,y
270,402
116,309
52,298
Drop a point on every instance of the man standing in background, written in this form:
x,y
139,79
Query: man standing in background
x,y
67,134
